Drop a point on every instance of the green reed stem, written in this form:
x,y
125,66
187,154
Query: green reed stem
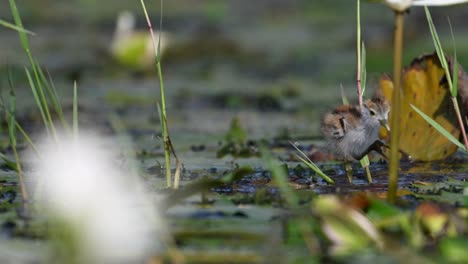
x,y
167,154
38,89
14,27
460,121
163,116
53,97
451,80
395,113
361,81
358,50
12,135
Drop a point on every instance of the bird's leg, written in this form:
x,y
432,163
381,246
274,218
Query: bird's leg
x,y
349,170
378,145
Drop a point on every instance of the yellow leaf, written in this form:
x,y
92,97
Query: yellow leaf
x,y
424,86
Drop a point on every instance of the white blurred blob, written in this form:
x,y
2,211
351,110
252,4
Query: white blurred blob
x,y
399,5
402,5
84,186
126,36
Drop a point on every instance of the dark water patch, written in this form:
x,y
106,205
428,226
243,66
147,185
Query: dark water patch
x,y
224,190
231,100
198,148
208,214
7,229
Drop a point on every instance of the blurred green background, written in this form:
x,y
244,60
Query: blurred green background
x,y
281,49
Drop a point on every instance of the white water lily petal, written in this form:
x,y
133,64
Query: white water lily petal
x,y
437,2
402,5
399,5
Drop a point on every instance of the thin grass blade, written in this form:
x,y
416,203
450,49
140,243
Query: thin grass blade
x,y
358,52
363,70
52,95
14,27
38,87
454,88
158,54
344,99
8,117
166,147
12,134
438,47
19,24
435,37
312,165
27,138
453,84
439,128
75,111
317,170
8,162
162,109
11,164
38,101
12,119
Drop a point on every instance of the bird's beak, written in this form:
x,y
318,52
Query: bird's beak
x,y
384,123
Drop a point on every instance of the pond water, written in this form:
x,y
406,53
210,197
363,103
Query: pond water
x,y
276,66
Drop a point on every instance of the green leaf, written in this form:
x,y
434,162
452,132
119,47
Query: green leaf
x,y
312,165
380,210
52,95
454,249
435,37
12,121
14,27
10,163
454,88
236,133
363,69
438,47
365,161
37,99
158,54
37,89
344,99
19,24
439,128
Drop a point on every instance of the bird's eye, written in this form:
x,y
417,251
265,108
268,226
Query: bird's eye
x,y
372,112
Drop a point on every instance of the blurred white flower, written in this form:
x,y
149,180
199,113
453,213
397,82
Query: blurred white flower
x,y
399,5
105,204
402,5
437,2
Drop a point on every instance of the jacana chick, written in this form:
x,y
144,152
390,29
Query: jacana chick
x,y
353,131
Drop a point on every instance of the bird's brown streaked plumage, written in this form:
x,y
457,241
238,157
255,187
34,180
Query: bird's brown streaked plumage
x,y
352,130
336,123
